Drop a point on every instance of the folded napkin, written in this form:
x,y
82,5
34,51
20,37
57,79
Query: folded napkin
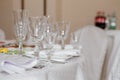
x,y
69,52
68,46
31,63
58,47
29,53
11,67
63,55
59,55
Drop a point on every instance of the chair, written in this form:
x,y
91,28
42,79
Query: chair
x,y
94,43
113,69
2,35
111,66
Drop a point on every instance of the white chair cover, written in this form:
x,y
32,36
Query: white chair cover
x,y
107,58
94,43
112,70
2,35
114,73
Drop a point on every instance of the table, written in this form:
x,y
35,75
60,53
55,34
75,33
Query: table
x,y
67,71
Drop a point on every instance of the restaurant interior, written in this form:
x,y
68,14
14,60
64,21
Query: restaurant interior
x,y
59,40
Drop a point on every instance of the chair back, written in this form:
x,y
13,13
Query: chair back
x,y
94,43
111,65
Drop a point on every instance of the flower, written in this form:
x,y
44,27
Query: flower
x,y
3,50
9,51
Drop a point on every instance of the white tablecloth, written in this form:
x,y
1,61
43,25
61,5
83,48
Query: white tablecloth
x,y
43,74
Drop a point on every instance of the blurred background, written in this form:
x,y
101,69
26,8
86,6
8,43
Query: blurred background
x,y
79,12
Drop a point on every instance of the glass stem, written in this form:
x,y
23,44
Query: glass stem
x,y
63,44
20,48
36,50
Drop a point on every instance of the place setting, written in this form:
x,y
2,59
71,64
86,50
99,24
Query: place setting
x,y
39,43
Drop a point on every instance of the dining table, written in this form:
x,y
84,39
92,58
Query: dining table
x,y
69,68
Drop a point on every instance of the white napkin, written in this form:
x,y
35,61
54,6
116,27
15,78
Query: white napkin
x,y
11,67
63,55
68,46
60,55
43,54
58,47
31,63
29,54
69,52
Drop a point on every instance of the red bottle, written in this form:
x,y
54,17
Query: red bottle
x,y
100,20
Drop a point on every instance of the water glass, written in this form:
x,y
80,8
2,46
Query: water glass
x,y
20,27
37,32
74,40
63,30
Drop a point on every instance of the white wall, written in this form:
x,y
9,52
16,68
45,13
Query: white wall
x,y
35,7
51,8
82,12
16,4
79,12
6,22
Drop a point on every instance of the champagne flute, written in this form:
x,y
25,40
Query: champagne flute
x,y
20,27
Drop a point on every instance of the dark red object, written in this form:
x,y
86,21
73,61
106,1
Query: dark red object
x,y
100,20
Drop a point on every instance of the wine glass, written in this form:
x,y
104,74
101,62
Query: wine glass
x,y
63,30
37,32
74,40
20,27
50,37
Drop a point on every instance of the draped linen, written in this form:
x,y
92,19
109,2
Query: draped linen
x,y
94,43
